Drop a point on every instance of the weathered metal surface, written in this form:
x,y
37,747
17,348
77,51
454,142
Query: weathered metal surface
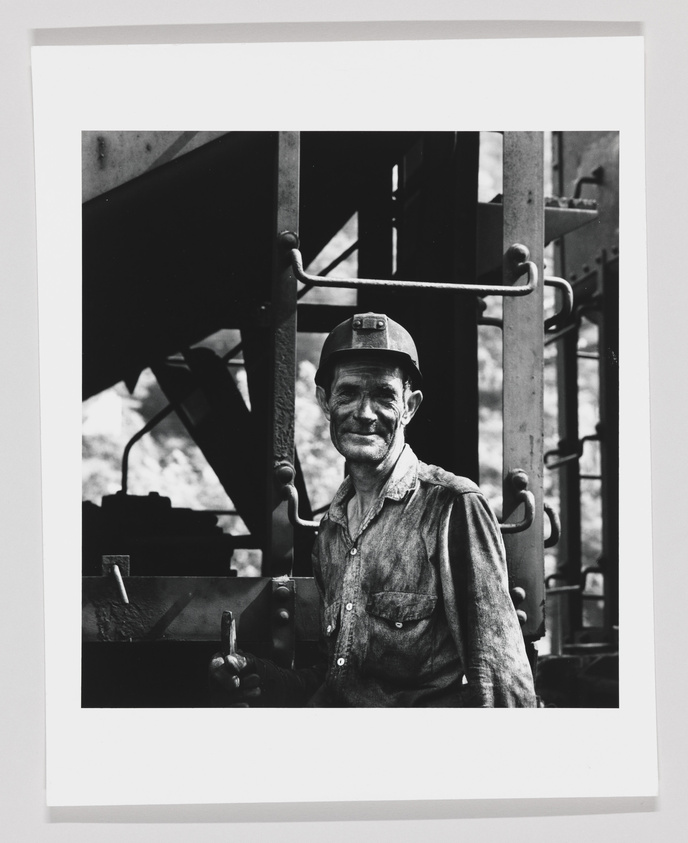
x,y
190,609
108,159
523,370
283,621
278,555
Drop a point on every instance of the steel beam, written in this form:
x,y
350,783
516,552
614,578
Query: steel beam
x,y
185,609
278,553
523,370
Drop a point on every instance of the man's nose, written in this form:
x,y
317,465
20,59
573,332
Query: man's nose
x,y
364,410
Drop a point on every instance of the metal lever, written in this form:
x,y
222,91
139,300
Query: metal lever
x,y
115,565
519,480
228,634
285,474
517,255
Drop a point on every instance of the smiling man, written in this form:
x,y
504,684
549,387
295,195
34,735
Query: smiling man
x,y
409,560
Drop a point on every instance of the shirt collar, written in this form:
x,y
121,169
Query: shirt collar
x,y
402,480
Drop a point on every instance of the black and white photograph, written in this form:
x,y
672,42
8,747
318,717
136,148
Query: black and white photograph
x,y
334,442
350,419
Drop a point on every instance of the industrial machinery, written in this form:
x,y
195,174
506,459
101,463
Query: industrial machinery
x,y
190,236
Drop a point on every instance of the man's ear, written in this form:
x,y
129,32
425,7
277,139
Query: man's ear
x,y
413,401
322,401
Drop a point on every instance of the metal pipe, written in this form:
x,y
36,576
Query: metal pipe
x,y
150,424
555,322
555,527
517,254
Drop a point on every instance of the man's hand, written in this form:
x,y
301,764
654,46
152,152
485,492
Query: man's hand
x,y
233,680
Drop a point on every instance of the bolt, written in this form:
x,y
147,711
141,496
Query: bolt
x,y
288,240
518,595
518,253
284,473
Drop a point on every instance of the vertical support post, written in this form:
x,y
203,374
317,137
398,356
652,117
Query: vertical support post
x,y
523,351
278,551
609,436
570,547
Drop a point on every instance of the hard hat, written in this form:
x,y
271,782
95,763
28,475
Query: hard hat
x,y
370,333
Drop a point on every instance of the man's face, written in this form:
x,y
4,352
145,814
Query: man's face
x,y
368,409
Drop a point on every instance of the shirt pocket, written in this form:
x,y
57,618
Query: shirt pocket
x,y
401,632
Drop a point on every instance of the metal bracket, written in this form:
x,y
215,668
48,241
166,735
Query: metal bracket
x,y
117,566
519,480
283,623
517,256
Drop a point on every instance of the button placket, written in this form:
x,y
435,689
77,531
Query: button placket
x,y
350,590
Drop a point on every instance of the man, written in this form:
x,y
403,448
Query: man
x,y
409,560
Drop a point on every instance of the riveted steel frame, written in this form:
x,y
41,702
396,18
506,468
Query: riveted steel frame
x,y
523,352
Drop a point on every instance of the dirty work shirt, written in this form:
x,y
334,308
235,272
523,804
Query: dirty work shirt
x,y
416,607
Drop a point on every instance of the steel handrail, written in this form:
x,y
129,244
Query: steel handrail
x,y
517,254
555,527
573,457
555,322
285,474
519,480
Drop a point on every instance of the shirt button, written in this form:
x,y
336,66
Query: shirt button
x,y
340,662
398,624
349,607
353,551
329,628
